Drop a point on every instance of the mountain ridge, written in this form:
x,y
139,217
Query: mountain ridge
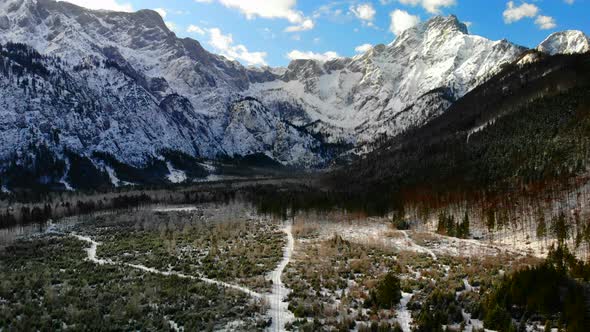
x,y
123,85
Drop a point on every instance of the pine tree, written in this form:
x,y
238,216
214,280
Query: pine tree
x,y
464,229
491,220
560,229
541,227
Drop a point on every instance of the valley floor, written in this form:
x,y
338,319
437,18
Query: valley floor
x,y
224,267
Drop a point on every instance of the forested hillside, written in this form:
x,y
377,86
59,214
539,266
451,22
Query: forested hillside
x,y
528,125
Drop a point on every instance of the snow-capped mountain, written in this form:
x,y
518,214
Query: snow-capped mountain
x,y
565,42
116,91
391,87
123,84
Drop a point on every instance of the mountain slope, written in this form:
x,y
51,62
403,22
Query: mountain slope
x,y
118,96
528,124
123,85
565,42
390,88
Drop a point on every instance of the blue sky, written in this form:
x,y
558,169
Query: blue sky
x,y
272,32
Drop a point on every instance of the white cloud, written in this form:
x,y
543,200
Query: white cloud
x,y
266,9
296,54
545,22
569,2
171,25
224,44
275,9
332,11
115,5
402,20
365,12
162,12
307,24
363,48
195,29
431,6
516,13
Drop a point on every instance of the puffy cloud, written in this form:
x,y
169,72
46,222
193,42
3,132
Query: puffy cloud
x,y
569,2
363,48
114,5
431,6
365,12
402,20
162,12
224,44
195,29
171,25
275,9
307,24
296,54
516,13
545,22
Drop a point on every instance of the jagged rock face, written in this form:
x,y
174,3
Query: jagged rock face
x,y
252,123
565,42
123,85
390,88
143,90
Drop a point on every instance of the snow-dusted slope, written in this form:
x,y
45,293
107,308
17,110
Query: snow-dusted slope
x,y
389,88
565,42
123,84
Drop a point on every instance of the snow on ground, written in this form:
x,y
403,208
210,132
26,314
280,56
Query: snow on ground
x,y
113,176
174,326
279,308
91,256
381,234
208,166
523,241
64,177
472,324
115,181
175,175
218,177
91,251
480,128
278,311
411,245
404,316
176,209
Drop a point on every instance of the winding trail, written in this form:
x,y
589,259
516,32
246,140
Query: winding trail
x,y
91,252
404,316
418,248
279,309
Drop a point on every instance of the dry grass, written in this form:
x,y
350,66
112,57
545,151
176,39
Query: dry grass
x,y
421,238
394,234
304,230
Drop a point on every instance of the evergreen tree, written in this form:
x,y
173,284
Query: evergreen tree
x,y
464,229
541,227
560,228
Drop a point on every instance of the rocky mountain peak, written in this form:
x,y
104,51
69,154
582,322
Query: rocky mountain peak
x,y
445,24
565,42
